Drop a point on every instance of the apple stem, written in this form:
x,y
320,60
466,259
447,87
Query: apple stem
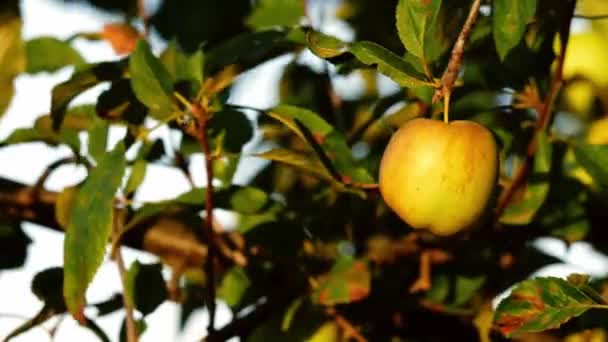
x,y
446,107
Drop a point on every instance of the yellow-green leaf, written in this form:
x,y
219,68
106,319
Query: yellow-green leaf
x,y
89,228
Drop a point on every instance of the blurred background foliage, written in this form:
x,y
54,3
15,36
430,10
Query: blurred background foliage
x,y
312,253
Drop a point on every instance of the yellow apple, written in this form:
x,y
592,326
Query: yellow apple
x,y
586,58
598,132
439,176
596,135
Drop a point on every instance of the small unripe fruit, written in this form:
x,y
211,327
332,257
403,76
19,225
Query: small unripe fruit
x,y
439,176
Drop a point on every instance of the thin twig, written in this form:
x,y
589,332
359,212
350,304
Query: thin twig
x,y
143,16
122,270
200,111
349,329
455,64
544,118
591,17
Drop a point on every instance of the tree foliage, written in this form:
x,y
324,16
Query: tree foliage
x,y
314,253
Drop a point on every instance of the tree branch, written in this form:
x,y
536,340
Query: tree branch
x,y
544,117
200,112
455,64
122,270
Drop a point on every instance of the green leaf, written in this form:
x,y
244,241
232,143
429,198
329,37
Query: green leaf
x,y
250,49
348,281
65,92
150,80
523,210
233,286
230,129
140,328
248,200
418,28
89,228
510,18
181,66
594,159
98,138
138,173
119,103
329,144
76,119
389,64
298,161
454,291
540,304
270,13
145,287
325,46
225,167
50,54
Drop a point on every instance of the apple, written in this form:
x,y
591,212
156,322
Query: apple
x,y
587,58
439,176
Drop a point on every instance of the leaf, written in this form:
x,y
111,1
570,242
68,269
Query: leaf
x,y
13,245
145,287
594,159
249,49
140,328
296,160
150,80
348,281
119,103
233,286
76,119
540,304
138,173
523,210
329,144
248,200
389,64
270,13
50,54
230,129
290,313
181,66
98,138
325,46
89,228
417,27
455,290
65,92
510,18
12,57
122,37
64,204
47,285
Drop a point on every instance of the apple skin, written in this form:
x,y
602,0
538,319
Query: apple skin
x,y
439,176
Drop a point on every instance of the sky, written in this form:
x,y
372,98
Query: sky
x,y
24,163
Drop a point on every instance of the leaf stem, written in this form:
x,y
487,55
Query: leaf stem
x,y
544,117
446,106
200,112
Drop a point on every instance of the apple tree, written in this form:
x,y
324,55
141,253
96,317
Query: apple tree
x,y
496,116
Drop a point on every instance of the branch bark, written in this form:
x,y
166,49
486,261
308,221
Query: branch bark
x,y
544,116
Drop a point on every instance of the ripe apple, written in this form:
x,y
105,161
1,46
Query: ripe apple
x,y
587,58
439,176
